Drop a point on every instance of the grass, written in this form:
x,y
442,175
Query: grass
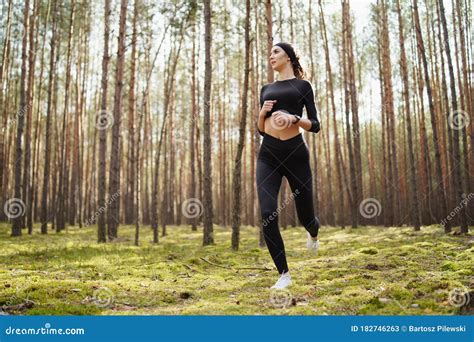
x,y
368,270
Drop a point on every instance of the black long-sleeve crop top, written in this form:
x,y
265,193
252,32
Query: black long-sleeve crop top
x,y
291,95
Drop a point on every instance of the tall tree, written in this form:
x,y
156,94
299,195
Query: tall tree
x,y
354,105
354,189
63,167
458,184
192,127
208,236
114,173
27,168
330,87
415,208
237,177
269,28
388,106
49,114
17,220
421,48
3,120
101,176
131,176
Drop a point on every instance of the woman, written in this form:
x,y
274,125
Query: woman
x,y
284,152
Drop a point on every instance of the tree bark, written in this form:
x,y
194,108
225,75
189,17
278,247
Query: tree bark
x,y
114,173
208,236
237,177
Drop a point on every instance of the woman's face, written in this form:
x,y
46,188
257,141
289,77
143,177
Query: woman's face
x,y
278,58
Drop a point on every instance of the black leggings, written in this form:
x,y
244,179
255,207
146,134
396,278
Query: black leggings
x,y
289,158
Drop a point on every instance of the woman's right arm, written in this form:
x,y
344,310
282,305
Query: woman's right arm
x,y
261,115
261,123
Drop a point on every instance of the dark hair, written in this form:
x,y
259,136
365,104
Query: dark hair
x,y
294,58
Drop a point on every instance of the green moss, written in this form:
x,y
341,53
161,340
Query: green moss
x,y
369,250
449,266
369,270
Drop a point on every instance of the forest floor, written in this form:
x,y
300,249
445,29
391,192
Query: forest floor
x,y
363,271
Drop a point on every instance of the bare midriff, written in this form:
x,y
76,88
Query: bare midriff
x,y
272,128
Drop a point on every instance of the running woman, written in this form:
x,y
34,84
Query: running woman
x,y
284,152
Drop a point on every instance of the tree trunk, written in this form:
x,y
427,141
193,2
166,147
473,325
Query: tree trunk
x,y
236,186
18,202
347,97
269,28
104,120
131,176
208,236
415,208
114,173
440,185
458,184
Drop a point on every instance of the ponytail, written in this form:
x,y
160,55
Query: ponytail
x,y
295,59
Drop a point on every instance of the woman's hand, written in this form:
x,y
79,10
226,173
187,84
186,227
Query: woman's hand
x,y
282,120
267,106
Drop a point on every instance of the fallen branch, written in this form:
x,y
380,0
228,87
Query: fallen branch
x,y
18,307
211,263
255,268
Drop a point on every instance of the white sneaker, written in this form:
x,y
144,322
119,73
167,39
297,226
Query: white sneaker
x,y
311,244
283,281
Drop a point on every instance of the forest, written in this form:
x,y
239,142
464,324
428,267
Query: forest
x,y
128,136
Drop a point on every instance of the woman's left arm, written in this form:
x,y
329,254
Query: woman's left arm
x,y
311,124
